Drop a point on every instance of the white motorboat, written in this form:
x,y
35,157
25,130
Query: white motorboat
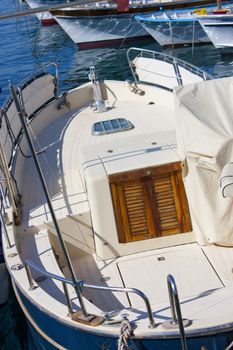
x,y
219,28
100,235
171,28
102,24
181,26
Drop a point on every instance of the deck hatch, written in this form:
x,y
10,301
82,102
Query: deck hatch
x,y
111,125
150,203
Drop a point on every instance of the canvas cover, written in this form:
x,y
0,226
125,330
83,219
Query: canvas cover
x,y
204,118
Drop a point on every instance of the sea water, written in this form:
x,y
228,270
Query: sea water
x,y
25,46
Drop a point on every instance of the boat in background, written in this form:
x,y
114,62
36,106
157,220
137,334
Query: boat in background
x,y
105,25
219,28
172,28
100,244
45,18
179,27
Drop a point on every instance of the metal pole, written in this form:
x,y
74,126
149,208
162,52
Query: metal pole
x,y
170,281
173,295
128,290
69,305
29,275
43,184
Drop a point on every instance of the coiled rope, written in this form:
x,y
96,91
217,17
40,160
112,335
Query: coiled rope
x,y
125,334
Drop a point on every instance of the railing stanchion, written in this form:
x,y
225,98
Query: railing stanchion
x,y
69,305
29,275
176,311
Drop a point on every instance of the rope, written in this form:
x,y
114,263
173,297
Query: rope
x,y
125,334
36,40
129,29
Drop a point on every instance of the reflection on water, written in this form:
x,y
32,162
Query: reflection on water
x,y
28,46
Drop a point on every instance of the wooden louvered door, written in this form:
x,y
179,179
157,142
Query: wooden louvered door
x,y
150,203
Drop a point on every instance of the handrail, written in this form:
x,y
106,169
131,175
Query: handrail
x,y
81,284
175,309
128,290
176,62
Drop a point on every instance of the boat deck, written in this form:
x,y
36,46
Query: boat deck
x,y
61,161
202,298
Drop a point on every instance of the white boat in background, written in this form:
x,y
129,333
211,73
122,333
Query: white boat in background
x,y
97,248
104,25
179,27
219,28
45,18
174,28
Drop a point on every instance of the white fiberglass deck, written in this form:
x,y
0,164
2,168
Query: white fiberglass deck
x,y
60,144
64,146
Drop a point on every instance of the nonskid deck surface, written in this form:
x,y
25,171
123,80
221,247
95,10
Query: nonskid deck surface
x,y
205,288
203,298
181,262
59,146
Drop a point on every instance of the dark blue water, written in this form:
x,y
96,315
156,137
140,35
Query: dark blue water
x,y
24,47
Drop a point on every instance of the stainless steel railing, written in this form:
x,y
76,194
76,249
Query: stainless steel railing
x,y
175,310
82,285
176,315
175,62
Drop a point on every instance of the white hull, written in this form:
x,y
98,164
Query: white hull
x,y
101,30
103,24
219,29
180,27
176,33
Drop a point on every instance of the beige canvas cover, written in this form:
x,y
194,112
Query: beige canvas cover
x,y
204,117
